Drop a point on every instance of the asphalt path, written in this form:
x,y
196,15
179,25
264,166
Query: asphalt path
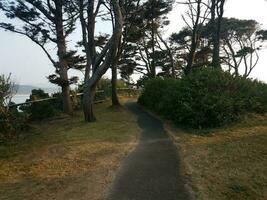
x,y
152,170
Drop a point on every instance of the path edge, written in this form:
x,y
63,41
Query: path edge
x,y
134,145
168,128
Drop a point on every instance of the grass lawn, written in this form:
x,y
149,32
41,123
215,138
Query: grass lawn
x,y
67,158
226,163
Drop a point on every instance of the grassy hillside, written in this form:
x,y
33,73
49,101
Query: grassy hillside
x,y
67,158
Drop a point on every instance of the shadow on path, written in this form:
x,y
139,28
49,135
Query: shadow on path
x,y
151,171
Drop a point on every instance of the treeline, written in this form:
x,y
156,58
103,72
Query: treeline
x,y
136,43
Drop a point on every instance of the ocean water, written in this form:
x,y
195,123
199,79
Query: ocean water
x,y
20,98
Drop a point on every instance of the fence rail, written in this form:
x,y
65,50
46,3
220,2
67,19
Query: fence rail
x,y
101,96
51,98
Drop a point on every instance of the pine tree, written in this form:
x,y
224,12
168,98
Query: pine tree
x,y
47,22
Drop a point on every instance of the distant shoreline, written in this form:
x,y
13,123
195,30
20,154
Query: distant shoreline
x,y
20,98
23,94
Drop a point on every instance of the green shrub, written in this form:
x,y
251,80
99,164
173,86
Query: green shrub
x,y
206,98
40,110
58,101
151,96
12,123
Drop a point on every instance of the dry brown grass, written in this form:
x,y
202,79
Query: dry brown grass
x,y
226,163
67,158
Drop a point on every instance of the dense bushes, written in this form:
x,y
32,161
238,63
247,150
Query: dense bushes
x,y
206,98
11,123
40,110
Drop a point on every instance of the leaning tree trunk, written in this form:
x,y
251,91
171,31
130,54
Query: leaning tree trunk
x,y
110,52
115,99
88,102
170,54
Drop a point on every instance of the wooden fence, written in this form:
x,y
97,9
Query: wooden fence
x,y
101,96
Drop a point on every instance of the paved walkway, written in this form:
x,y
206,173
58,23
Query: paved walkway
x,y
151,172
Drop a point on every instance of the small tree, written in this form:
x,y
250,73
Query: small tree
x,y
241,42
7,91
45,22
11,121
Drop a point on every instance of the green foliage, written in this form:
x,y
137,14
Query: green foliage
x,y
11,121
143,23
58,101
142,81
41,109
7,90
206,98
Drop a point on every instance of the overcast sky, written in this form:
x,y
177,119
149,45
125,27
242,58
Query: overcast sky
x,y
29,65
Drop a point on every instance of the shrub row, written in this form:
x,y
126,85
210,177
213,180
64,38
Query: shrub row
x,y
11,123
206,98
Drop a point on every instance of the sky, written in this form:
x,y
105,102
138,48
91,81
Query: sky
x,y
29,65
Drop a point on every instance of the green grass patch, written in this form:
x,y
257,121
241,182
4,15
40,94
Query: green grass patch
x,y
67,158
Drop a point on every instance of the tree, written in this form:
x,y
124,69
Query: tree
x,y
11,121
144,50
46,22
262,35
7,91
197,14
217,12
114,65
155,18
99,60
241,42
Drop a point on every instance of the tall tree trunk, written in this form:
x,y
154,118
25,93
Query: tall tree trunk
x,y
153,67
191,59
63,65
115,99
216,52
88,102
64,83
67,104
195,40
84,40
217,6
114,72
